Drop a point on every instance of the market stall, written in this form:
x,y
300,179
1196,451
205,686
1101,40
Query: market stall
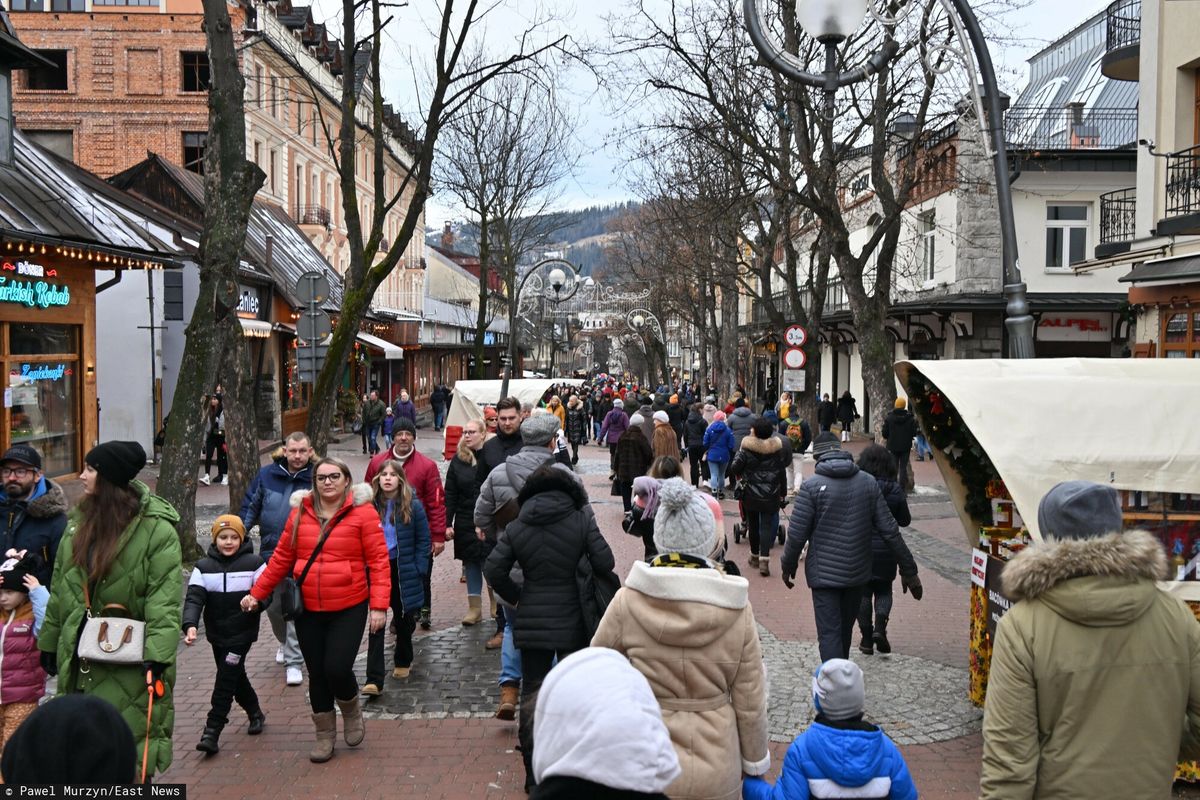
x,y
470,398
1004,432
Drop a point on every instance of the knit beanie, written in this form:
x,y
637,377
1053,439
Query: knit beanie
x,y
661,416
719,416
539,429
683,523
118,462
825,442
74,738
229,522
404,424
14,570
618,403
1080,510
838,691
901,402
636,420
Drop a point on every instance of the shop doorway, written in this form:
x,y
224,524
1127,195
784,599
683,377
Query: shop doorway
x,y
42,397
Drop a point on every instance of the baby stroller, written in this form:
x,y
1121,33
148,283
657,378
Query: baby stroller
x,y
741,527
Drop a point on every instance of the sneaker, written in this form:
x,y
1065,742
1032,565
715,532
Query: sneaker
x,y
279,656
295,676
372,690
205,479
426,622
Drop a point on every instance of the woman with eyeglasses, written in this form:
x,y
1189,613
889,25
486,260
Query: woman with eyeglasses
x,y
462,490
336,592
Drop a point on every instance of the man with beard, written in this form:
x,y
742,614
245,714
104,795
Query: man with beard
x,y
33,508
507,440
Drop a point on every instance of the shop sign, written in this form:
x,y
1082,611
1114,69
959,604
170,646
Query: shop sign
x,y
997,603
34,294
489,338
1074,328
42,372
979,568
250,302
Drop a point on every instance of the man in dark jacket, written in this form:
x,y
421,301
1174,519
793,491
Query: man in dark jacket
x,y
835,514
268,504
438,399
373,412
693,439
899,428
826,413
33,508
507,440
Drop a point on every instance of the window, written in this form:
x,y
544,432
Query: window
x,y
173,295
271,171
860,184
1180,333
27,5
256,86
6,118
66,5
195,71
258,154
194,145
125,2
273,98
927,230
61,143
48,79
1066,235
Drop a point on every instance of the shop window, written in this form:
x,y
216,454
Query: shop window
x,y
928,233
68,5
27,5
1180,334
61,143
194,145
173,295
43,381
194,65
48,79
125,3
1066,235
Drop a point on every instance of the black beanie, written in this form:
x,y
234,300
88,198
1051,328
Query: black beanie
x,y
118,462
76,738
14,570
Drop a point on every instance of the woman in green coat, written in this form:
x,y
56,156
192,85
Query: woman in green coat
x,y
121,540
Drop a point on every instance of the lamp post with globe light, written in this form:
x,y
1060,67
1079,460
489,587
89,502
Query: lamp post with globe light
x,y
552,288
831,22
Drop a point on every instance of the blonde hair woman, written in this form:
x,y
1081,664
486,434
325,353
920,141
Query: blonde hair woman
x,y
462,490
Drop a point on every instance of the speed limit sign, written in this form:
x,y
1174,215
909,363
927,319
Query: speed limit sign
x,y
795,336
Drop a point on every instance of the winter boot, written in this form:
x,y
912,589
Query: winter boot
x,y
353,727
866,645
881,641
208,740
764,566
257,720
753,561
424,619
509,695
325,723
475,612
492,601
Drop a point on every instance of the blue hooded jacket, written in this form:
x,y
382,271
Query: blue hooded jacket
x,y
409,546
719,443
835,762
268,501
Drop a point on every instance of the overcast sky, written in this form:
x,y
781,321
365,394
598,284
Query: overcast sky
x,y
409,45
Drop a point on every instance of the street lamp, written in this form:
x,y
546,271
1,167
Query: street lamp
x,y
830,22
557,278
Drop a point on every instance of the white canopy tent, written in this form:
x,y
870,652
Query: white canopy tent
x,y
470,397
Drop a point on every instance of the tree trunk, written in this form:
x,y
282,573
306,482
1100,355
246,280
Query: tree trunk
x,y
878,354
241,428
230,183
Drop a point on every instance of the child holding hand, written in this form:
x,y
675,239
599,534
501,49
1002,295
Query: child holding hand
x,y
22,607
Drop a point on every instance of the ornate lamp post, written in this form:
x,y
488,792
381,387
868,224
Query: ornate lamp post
x,y
830,22
550,287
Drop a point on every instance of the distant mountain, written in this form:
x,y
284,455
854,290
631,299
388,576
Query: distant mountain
x,y
580,236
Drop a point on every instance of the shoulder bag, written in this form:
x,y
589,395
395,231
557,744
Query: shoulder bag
x,y
291,599
110,640
595,591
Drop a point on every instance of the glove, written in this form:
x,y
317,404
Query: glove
x,y
49,663
154,672
789,577
912,585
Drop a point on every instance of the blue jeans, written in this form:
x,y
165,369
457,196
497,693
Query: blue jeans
x,y
474,571
596,431
510,656
923,448
717,470
373,438
439,418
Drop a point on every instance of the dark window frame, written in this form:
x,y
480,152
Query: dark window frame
x,y
194,72
45,79
172,295
194,144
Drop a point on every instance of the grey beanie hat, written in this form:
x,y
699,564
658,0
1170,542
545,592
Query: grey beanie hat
x,y
636,421
539,429
618,403
825,442
1080,510
683,523
838,691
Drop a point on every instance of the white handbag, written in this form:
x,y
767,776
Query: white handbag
x,y
111,640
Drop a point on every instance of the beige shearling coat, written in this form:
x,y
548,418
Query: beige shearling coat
x,y
691,632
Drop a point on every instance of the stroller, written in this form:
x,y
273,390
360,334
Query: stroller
x,y
742,527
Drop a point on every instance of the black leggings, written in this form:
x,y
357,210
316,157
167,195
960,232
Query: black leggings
x,y
215,443
695,462
406,623
231,684
329,641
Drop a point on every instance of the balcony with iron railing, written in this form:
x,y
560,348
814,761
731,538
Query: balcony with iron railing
x,y
312,215
1118,217
1123,40
1182,208
1071,127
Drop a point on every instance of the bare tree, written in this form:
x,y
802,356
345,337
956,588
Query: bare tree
x,y
230,183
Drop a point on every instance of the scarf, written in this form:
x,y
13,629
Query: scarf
x,y
680,560
647,487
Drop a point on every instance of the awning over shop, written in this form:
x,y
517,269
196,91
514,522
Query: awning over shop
x,y
390,351
1165,269
256,328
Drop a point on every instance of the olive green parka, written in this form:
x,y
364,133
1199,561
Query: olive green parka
x,y
146,578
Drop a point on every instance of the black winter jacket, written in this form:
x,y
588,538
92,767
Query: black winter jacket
x,y
675,414
495,451
826,414
883,564
693,433
899,428
847,411
554,530
836,513
577,425
462,490
761,465
634,455
216,589
35,525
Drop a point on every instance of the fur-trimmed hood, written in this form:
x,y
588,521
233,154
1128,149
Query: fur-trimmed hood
x,y
1105,580
50,503
360,494
763,447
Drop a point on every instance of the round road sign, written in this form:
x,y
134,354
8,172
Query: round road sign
x,y
795,336
794,358
312,287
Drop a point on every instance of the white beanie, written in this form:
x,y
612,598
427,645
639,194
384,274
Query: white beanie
x,y
618,403
597,719
636,420
838,690
683,523
661,416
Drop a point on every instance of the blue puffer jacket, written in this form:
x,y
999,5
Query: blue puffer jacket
x,y
268,502
409,545
719,444
827,761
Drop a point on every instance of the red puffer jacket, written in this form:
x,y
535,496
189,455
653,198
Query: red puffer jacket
x,y
338,578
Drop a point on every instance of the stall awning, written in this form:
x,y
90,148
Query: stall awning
x,y
1165,269
256,328
390,351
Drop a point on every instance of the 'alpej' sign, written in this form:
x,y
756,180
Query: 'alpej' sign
x,y
31,293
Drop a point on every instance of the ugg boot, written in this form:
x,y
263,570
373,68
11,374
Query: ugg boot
x,y
764,566
353,727
208,740
475,612
881,641
509,695
753,560
492,601
325,723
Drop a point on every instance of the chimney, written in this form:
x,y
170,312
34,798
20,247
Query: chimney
x,y
447,236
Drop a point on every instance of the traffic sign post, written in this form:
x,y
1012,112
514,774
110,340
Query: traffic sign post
x,y
313,327
794,358
795,336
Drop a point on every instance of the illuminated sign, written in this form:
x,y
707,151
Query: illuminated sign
x,y
43,372
34,294
250,302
